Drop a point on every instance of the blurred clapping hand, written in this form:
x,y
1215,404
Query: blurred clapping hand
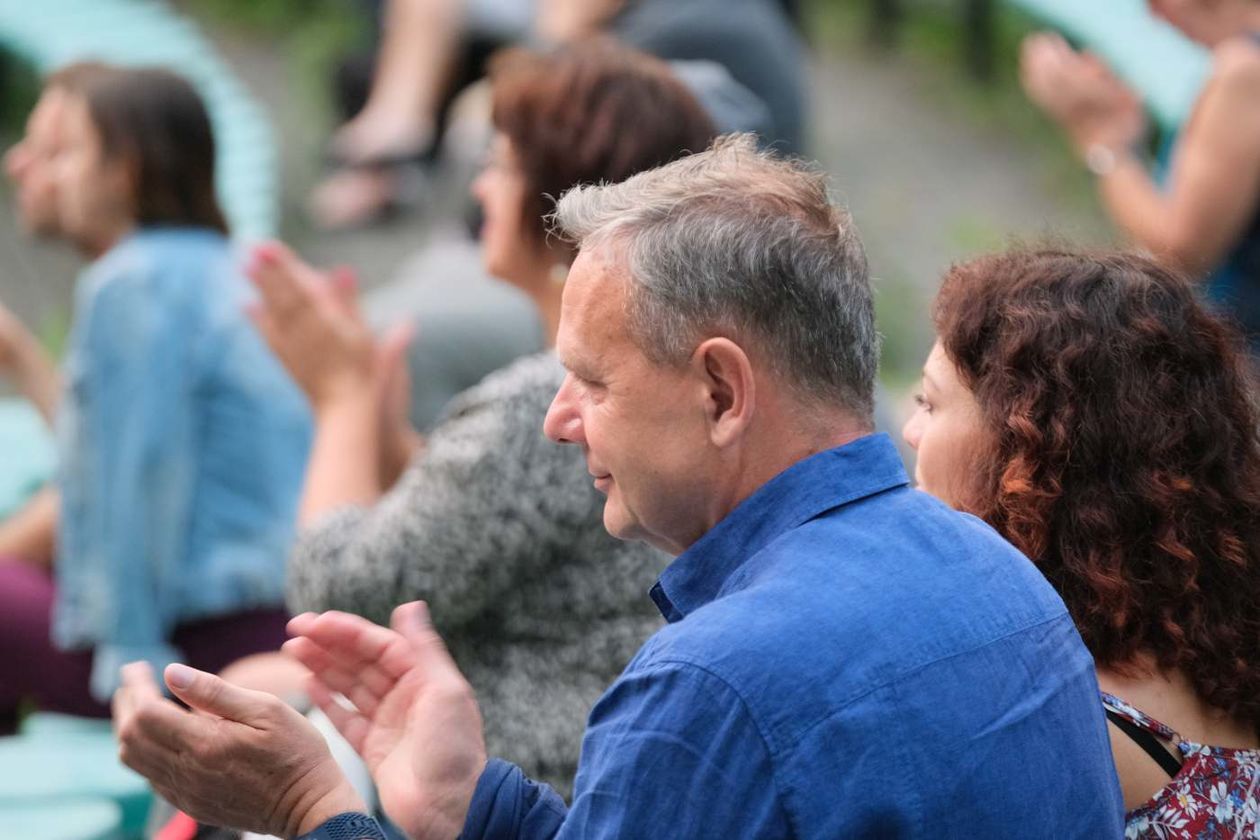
x,y
1081,93
311,320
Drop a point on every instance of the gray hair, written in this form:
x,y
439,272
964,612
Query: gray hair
x,y
739,243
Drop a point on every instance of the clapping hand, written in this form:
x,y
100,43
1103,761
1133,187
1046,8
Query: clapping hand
x,y
312,322
1080,92
240,759
414,718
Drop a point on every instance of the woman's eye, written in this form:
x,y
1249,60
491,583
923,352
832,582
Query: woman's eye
x,y
921,402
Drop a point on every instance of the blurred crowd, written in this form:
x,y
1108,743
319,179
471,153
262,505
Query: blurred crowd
x,y
616,543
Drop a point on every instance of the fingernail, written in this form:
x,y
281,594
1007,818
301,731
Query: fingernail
x,y
345,277
265,252
179,676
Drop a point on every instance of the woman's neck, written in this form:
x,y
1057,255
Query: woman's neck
x,y
101,241
544,283
1170,698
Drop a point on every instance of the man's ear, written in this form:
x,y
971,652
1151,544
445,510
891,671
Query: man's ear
x,y
726,374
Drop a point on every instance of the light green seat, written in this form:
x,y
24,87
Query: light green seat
x,y
78,819
148,32
47,725
1167,69
58,759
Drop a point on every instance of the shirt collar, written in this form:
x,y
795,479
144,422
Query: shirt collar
x,y
803,491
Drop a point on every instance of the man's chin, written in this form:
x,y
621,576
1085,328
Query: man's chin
x,y
617,524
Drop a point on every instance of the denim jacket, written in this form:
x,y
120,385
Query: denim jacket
x,y
182,447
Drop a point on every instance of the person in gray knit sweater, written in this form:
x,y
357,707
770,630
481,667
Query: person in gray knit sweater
x,y
500,530
497,528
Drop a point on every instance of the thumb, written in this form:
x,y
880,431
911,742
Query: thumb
x,y
208,693
412,621
393,346
344,283
391,356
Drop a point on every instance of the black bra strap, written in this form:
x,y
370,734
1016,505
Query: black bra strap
x,y
1151,745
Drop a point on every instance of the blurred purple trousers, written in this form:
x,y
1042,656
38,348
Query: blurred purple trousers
x,y
57,681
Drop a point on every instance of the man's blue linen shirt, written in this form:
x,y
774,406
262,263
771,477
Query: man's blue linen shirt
x,y
845,657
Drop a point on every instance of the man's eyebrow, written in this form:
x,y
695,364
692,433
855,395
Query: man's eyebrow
x,y
574,362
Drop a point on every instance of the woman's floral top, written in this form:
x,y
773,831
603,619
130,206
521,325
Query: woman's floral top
x,y
1215,795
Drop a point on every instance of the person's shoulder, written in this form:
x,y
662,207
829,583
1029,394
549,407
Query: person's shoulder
x,y
826,603
173,241
159,257
903,521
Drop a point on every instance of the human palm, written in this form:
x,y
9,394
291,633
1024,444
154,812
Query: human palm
x,y
415,720
1080,92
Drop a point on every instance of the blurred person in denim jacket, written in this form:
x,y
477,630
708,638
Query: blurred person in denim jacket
x,y
182,442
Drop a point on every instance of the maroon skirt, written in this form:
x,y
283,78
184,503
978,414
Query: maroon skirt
x,y
33,671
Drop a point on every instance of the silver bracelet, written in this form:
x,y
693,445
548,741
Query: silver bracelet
x,y
1101,160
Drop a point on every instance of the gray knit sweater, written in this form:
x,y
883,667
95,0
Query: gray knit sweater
x,y
501,531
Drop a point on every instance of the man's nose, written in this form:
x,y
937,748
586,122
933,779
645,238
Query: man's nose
x,y
563,423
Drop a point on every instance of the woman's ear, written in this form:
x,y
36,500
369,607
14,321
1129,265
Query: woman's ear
x,y
726,375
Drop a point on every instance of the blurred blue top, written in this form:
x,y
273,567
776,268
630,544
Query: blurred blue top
x,y
182,447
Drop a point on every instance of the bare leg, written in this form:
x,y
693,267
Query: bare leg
x,y
420,44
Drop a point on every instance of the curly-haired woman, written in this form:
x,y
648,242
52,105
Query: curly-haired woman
x,y
1090,409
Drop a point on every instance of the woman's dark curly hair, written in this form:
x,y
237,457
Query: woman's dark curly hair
x,y
1122,455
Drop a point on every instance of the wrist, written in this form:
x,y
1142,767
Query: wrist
x,y
343,394
446,813
1102,159
342,799
347,826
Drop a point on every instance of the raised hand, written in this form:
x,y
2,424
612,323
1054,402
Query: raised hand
x,y
242,759
414,718
1080,92
313,324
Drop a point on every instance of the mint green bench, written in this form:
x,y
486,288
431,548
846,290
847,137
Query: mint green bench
x,y
149,32
74,819
60,762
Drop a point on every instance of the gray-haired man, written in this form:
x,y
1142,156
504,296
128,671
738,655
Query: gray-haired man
x,y
844,656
